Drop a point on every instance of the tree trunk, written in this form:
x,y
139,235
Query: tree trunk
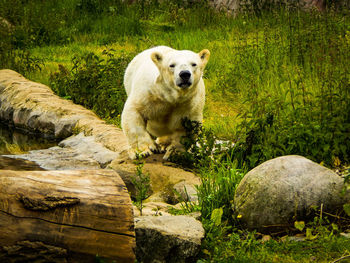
x,y
65,216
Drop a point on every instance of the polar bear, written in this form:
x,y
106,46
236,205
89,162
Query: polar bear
x,y
164,86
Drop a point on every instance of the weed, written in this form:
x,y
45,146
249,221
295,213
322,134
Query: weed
x,y
141,181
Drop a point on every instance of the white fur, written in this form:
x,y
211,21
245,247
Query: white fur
x,y
156,101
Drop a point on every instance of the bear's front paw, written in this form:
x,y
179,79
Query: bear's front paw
x,y
163,143
143,152
172,149
168,153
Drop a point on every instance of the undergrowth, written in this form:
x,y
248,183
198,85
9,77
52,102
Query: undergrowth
x,y
226,240
282,74
95,82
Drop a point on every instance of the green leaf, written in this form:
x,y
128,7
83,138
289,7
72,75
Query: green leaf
x,y
216,216
309,234
346,208
335,227
300,225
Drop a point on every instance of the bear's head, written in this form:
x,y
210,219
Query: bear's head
x,y
181,69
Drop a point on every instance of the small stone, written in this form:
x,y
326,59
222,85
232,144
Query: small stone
x,y
153,209
297,238
347,235
186,192
265,238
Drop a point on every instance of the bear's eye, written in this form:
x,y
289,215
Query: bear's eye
x,y
194,64
172,65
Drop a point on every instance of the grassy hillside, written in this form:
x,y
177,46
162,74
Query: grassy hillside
x,y
278,82
290,67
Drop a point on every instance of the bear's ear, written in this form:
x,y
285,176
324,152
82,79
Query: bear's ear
x,y
157,58
204,56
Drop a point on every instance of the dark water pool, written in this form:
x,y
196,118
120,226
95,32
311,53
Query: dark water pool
x,y
14,141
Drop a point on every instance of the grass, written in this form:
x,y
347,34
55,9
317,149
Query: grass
x,y
277,83
250,249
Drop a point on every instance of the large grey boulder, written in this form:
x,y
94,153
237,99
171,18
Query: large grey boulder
x,y
168,239
284,189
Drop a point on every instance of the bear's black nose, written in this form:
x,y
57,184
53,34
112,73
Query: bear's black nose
x,y
185,75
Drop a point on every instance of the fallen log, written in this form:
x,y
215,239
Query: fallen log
x,y
65,216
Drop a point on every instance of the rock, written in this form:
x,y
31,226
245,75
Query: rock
x,y
4,23
265,238
297,238
196,215
88,146
186,191
74,153
236,6
58,158
283,190
170,239
163,177
156,197
33,106
153,209
230,6
346,235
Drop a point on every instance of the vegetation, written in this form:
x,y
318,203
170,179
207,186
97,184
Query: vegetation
x,y
278,83
142,184
94,82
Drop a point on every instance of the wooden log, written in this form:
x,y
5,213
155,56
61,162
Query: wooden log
x,y
65,216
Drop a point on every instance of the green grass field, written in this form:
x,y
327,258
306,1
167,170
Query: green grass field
x,y
277,83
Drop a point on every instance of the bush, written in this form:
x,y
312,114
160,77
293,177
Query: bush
x,y
292,77
94,82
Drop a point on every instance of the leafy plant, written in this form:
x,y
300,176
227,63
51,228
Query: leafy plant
x,y
20,60
202,148
94,82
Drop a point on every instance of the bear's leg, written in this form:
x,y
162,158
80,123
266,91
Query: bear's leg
x,y
163,142
175,145
140,141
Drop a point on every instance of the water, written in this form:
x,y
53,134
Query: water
x,y
14,141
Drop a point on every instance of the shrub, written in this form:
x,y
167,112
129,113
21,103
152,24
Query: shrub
x,y
94,82
294,84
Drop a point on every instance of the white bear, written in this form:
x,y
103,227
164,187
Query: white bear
x,y
164,86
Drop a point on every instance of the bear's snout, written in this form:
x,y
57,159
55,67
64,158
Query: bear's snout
x,y
184,81
185,75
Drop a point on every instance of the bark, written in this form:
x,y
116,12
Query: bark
x,y
65,216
